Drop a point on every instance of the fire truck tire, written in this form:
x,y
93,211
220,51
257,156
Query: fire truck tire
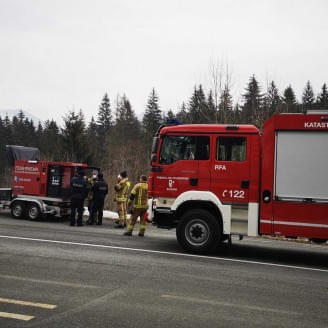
x,y
199,231
33,211
17,209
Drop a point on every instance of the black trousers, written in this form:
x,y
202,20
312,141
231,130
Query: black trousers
x,y
77,206
97,206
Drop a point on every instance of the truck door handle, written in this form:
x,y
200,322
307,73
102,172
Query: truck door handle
x,y
244,184
193,181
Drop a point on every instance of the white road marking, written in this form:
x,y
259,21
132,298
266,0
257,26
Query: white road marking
x,y
239,306
51,282
164,253
25,303
16,316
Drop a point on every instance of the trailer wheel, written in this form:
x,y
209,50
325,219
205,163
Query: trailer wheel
x,y
318,240
33,211
17,209
199,231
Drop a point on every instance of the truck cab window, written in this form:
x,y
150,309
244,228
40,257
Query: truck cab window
x,y
231,149
177,148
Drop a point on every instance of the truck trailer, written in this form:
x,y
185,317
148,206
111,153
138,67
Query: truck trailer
x,y
212,181
38,188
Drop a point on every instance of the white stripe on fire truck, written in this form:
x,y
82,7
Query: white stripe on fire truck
x,y
301,224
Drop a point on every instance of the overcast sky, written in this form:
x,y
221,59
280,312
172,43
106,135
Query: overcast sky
x,y
59,55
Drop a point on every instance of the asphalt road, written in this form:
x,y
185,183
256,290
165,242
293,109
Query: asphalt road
x,y
53,275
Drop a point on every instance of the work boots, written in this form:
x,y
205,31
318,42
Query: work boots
x,y
128,233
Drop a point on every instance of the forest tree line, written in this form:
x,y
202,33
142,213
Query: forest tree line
x,y
117,140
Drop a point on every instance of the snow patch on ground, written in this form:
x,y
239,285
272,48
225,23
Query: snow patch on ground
x,y
106,214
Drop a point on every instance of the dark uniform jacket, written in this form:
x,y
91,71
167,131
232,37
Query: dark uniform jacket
x,y
100,190
79,188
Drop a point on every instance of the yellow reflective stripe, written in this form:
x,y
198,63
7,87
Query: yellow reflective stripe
x,y
142,226
145,206
126,188
130,227
139,196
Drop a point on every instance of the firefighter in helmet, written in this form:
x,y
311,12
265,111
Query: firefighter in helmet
x,y
139,195
121,191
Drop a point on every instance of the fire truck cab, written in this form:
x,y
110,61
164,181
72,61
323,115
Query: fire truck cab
x,y
211,181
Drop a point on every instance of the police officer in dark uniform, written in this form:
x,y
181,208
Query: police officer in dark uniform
x,y
79,191
100,190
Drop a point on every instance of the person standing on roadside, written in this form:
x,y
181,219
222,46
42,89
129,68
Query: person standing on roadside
x,y
139,195
121,192
79,191
90,183
100,190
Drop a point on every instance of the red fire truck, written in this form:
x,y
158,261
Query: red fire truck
x,y
213,181
38,187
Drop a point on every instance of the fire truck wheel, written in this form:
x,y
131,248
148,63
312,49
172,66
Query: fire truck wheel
x,y
318,240
33,211
17,209
199,231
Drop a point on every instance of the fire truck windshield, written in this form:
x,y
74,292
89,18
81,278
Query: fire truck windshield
x,y
176,148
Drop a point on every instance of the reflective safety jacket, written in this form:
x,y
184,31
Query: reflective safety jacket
x,y
90,183
139,194
121,190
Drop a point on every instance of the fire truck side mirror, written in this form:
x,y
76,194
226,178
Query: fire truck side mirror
x,y
153,158
155,144
266,196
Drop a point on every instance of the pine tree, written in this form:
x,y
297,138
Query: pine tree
x,y
272,100
127,123
211,113
182,114
252,107
105,117
197,108
8,130
96,153
21,116
152,118
39,135
237,114
225,106
74,140
30,133
92,128
51,142
289,100
308,96
289,96
2,145
17,129
322,100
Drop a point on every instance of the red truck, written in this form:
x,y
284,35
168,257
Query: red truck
x,y
38,188
212,181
